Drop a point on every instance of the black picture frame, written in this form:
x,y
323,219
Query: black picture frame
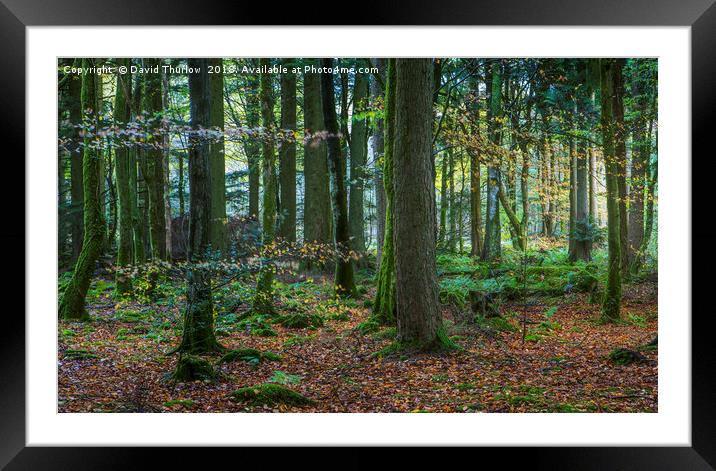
x,y
16,15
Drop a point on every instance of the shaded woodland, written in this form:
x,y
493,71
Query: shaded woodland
x,y
357,235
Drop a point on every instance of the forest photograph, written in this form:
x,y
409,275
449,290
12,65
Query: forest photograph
x,y
459,235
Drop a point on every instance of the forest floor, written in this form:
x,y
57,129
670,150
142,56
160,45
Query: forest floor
x,y
556,361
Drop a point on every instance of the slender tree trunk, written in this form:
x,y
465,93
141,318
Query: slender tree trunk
x,y
122,114
72,304
287,156
198,335
593,207
612,293
317,226
620,149
418,313
253,149
452,220
217,163
263,299
378,144
492,248
76,186
136,182
359,153
384,304
154,176
444,203
344,283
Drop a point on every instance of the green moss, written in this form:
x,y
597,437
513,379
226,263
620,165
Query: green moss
x,y
270,394
79,355
249,355
623,356
441,343
179,402
368,327
294,340
192,368
387,333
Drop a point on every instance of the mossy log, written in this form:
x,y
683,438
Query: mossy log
x,y
248,355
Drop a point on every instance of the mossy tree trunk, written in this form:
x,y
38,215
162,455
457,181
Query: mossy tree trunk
x,y
317,198
492,248
378,144
198,335
344,283
418,313
621,161
359,157
72,304
217,160
74,87
384,304
122,114
154,153
287,156
612,293
263,298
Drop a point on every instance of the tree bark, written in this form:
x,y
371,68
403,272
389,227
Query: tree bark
x,y
72,304
154,153
344,283
198,335
263,298
287,156
122,114
418,313
317,226
612,293
217,163
493,237
359,153
384,304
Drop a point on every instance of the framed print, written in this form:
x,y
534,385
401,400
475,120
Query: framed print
x,y
460,226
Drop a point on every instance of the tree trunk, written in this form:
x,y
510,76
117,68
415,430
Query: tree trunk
x,y
612,293
72,304
76,156
359,153
384,304
122,114
492,248
154,152
217,164
317,198
287,156
344,283
378,144
136,182
418,313
444,203
251,145
198,335
620,150
263,298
